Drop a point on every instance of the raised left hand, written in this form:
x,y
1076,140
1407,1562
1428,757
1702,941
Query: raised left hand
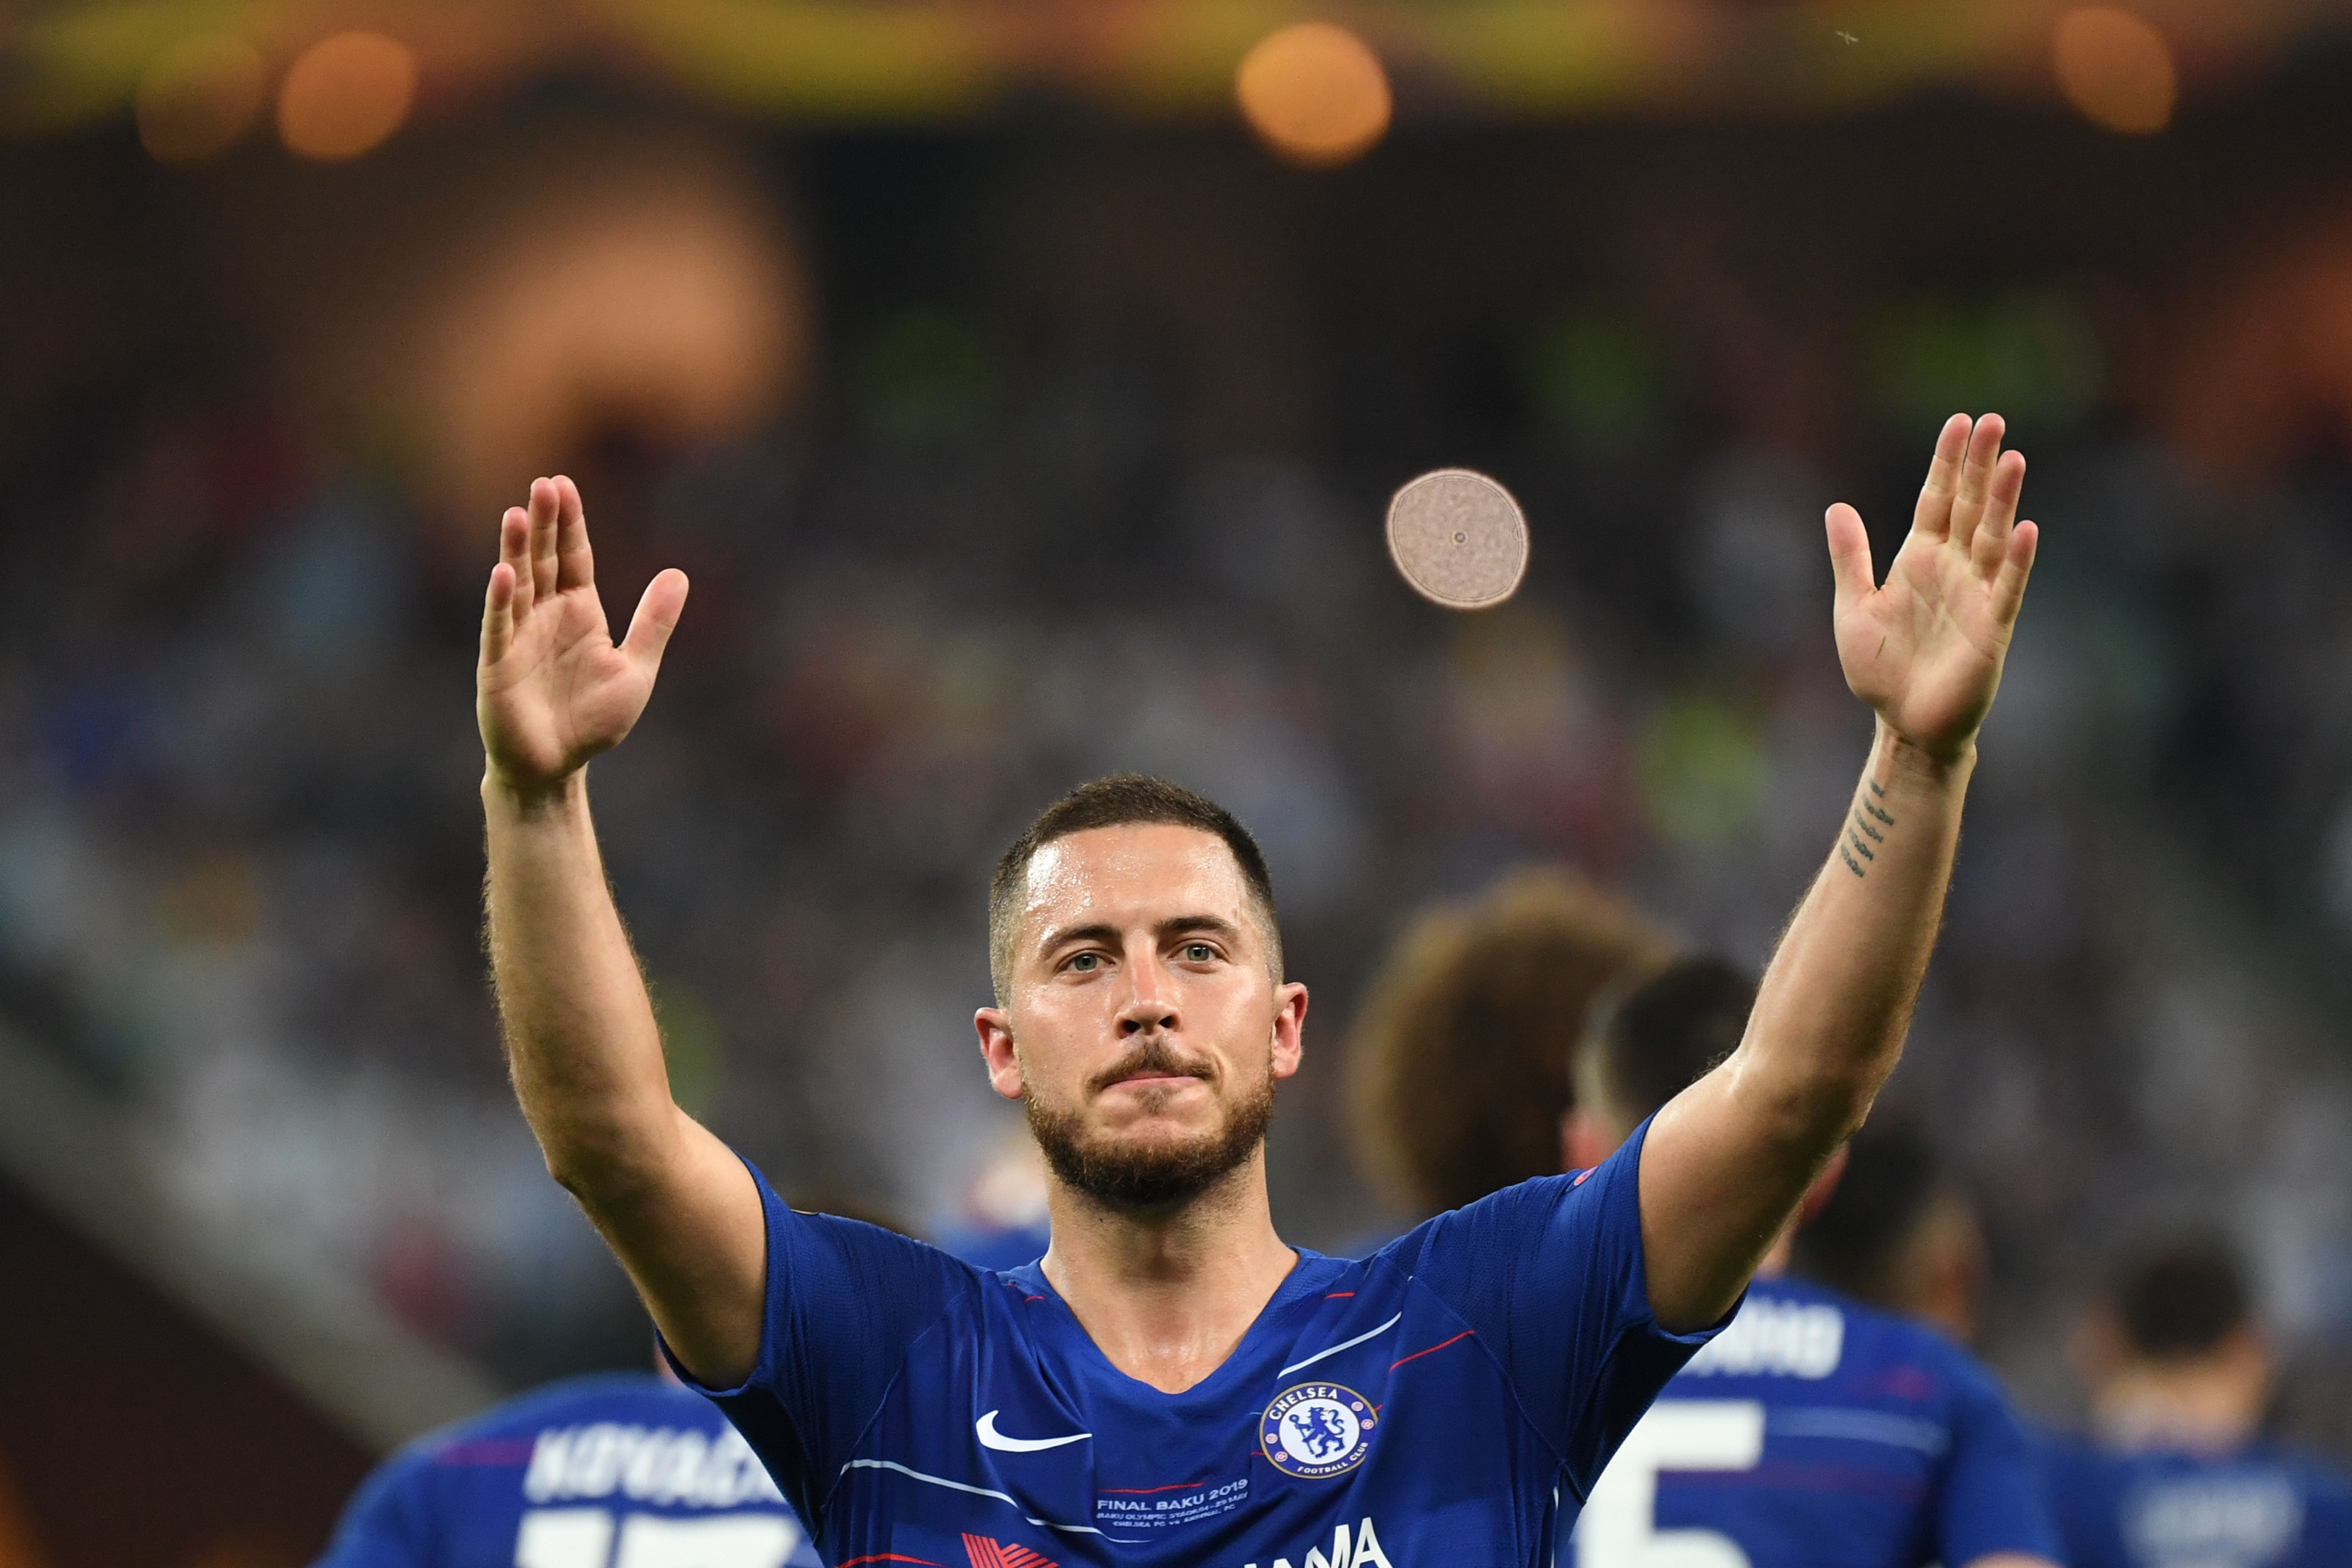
x,y
1926,648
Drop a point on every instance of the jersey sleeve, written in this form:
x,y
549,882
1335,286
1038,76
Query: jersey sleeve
x,y
1994,1495
388,1523
1549,1275
844,1301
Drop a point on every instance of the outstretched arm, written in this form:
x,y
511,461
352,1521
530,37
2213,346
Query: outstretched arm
x,y
1727,1160
554,690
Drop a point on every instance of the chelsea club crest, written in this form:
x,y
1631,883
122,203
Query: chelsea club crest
x,y
1313,1430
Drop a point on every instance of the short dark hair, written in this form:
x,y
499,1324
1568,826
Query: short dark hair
x,y
1119,801
1667,1033
2180,1299
1459,1065
1854,1243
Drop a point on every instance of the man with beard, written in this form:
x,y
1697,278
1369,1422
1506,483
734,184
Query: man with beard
x,y
1172,1384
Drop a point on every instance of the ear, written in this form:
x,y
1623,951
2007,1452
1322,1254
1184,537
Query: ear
x,y
1817,1196
995,1027
1289,1027
1584,1139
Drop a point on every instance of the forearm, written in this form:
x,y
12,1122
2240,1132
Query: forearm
x,y
678,1208
1836,1001
1728,1159
581,1038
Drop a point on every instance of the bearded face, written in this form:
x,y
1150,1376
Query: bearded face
x,y
1151,1165
1144,1032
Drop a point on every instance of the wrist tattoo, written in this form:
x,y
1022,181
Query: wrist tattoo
x,y
1859,833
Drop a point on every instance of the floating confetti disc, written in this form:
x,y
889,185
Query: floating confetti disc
x,y
1459,539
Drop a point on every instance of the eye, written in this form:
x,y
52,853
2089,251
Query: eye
x,y
1085,962
1199,952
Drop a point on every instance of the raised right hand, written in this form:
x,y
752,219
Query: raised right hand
x,y
552,688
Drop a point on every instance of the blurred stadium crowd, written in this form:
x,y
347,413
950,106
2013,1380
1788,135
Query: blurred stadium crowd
x,y
1030,528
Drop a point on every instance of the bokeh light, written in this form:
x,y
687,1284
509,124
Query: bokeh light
x,y
641,289
198,97
2116,69
345,95
1316,94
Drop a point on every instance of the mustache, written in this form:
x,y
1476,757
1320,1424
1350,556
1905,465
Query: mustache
x,y
1154,1056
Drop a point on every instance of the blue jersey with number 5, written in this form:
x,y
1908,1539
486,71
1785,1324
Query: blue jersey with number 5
x,y
1816,1432
621,1470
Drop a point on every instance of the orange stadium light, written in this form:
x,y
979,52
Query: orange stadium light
x,y
198,97
346,95
2116,69
1315,93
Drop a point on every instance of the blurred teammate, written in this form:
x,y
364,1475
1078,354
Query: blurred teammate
x,y
1816,1432
1171,1384
1003,1221
1459,1066
1896,1232
616,1471
2178,1478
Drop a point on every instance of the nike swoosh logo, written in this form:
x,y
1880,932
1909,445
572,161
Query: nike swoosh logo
x,y
989,1437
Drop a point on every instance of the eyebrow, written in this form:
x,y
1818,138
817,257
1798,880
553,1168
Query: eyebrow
x,y
1174,925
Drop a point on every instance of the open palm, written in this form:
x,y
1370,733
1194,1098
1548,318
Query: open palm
x,y
552,688
1925,648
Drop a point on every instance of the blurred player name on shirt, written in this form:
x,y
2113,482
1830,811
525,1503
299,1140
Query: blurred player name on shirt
x,y
2224,1520
669,1465
1775,1338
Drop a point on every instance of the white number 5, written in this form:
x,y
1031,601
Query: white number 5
x,y
1620,1527
581,1537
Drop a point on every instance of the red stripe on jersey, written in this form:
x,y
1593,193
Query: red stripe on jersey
x,y
1431,1351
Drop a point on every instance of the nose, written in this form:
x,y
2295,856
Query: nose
x,y
1151,1005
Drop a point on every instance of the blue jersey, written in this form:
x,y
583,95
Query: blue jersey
x,y
1437,1405
620,1470
2260,1506
1816,1432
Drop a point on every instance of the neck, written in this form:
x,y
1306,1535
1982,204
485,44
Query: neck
x,y
2211,1404
1167,1294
